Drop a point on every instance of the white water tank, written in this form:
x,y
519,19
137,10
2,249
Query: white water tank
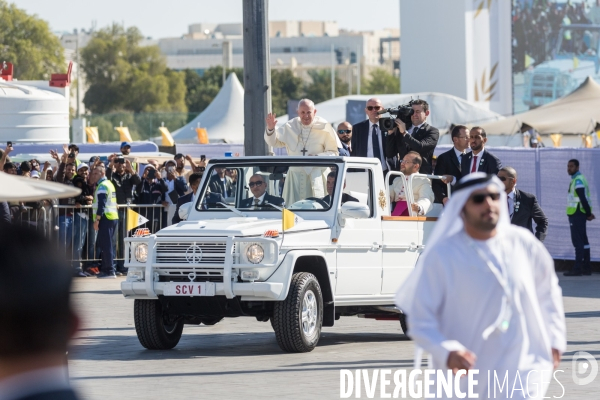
x,y
32,111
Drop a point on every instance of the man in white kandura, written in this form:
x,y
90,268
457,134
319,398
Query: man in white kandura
x,y
305,135
484,295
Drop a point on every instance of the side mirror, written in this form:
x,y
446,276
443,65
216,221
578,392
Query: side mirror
x,y
354,209
184,210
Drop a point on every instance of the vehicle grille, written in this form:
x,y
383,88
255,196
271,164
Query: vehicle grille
x,y
191,253
542,85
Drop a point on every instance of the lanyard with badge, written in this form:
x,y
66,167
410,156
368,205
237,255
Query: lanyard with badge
x,y
502,322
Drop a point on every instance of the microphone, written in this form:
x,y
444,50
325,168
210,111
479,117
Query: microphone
x,y
385,110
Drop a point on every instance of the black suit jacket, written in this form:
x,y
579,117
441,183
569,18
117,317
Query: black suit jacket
x,y
345,197
181,201
215,185
489,163
447,164
360,141
423,141
249,202
66,394
527,209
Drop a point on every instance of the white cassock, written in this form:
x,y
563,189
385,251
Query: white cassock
x,y
421,188
317,139
498,298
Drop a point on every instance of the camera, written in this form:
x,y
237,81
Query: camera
x,y
402,112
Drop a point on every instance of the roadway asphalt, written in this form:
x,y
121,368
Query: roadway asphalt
x,y
239,358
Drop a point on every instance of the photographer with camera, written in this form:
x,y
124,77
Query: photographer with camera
x,y
414,135
176,188
367,136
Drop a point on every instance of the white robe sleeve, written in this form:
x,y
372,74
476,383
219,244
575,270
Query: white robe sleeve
x,y
424,194
424,316
273,139
331,145
549,295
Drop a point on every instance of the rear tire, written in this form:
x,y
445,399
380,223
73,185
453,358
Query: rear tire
x,y
298,319
155,329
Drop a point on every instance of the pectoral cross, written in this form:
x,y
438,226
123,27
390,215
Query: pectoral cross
x,y
304,151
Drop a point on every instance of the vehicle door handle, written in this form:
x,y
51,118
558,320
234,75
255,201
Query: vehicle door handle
x,y
376,246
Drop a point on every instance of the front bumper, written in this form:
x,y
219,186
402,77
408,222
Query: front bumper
x,y
151,288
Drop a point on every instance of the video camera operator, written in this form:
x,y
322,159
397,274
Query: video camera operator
x,y
420,137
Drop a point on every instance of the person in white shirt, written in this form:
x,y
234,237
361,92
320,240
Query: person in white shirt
x,y
421,187
484,294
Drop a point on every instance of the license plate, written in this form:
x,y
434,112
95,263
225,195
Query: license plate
x,y
189,289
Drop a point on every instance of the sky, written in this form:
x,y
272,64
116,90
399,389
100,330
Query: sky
x,y
170,18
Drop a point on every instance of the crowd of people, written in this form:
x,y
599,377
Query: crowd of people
x,y
153,191
536,28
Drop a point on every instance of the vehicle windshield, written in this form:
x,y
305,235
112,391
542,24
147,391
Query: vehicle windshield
x,y
267,187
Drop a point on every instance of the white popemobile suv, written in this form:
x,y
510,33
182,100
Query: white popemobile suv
x,y
232,258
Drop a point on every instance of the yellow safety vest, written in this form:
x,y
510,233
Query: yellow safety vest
x,y
110,208
573,200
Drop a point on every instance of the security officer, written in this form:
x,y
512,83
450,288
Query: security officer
x,y
106,218
579,211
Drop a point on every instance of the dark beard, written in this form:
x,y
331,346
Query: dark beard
x,y
346,141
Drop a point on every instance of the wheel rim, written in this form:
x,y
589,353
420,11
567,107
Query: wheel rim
x,y
170,325
309,313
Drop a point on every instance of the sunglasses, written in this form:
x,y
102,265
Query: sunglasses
x,y
201,169
258,183
371,108
504,178
344,131
480,198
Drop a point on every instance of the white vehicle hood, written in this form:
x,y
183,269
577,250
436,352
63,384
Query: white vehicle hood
x,y
566,66
237,226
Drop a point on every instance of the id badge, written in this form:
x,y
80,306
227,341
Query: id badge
x,y
506,318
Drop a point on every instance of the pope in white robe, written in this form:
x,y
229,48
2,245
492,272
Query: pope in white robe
x,y
497,299
308,135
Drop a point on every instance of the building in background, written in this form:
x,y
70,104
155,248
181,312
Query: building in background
x,y
298,45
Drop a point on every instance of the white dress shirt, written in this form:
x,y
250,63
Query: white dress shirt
x,y
479,156
511,202
381,157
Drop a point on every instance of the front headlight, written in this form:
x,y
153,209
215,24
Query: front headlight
x,y
141,252
255,253
135,275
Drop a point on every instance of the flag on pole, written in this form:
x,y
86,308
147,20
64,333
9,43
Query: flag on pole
x,y
202,135
289,219
124,135
134,219
92,134
167,139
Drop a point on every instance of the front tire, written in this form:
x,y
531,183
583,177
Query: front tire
x,y
155,329
298,319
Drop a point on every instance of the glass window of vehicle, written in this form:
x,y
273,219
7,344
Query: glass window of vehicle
x,y
266,187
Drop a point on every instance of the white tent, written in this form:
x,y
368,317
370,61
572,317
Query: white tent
x,y
223,119
445,109
29,189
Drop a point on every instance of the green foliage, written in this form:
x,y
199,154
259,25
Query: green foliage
x,y
201,90
381,82
284,86
27,42
320,88
122,75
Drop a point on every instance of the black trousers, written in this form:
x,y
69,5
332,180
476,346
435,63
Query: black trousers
x,y
106,231
580,241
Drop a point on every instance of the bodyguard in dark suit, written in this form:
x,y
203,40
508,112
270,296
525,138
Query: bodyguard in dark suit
x,y
421,137
479,159
523,207
331,185
194,181
36,317
449,163
221,183
260,198
344,132
367,138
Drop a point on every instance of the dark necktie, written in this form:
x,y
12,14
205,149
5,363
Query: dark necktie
x,y
256,203
224,189
460,156
376,148
474,167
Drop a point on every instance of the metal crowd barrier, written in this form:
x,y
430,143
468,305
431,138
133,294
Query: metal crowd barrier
x,y
72,230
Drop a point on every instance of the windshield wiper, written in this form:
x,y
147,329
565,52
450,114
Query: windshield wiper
x,y
235,210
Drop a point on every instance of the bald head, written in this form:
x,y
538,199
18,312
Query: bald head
x,y
344,131
306,111
373,106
